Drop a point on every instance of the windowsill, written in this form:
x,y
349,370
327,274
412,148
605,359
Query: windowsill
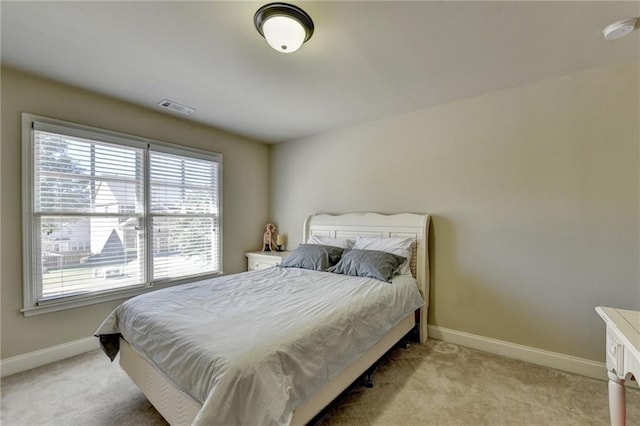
x,y
76,302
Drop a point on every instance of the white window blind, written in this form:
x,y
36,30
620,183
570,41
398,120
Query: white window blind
x,y
109,213
184,211
84,242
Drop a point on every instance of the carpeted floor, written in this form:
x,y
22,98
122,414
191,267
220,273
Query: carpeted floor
x,y
434,384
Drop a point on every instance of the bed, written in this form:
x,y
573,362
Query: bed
x,y
285,385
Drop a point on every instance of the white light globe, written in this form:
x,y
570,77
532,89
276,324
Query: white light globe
x,y
284,34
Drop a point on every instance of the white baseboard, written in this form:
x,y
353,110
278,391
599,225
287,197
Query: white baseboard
x,y
45,356
558,361
571,364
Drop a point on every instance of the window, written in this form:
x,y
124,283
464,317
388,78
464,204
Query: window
x,y
111,215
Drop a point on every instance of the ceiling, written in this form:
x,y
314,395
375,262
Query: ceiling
x,y
365,61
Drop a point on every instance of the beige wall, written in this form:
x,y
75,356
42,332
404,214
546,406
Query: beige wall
x,y
245,194
534,194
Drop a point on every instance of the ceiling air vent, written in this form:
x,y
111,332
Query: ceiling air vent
x,y
175,107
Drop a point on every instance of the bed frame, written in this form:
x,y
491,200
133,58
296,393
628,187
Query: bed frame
x,y
178,408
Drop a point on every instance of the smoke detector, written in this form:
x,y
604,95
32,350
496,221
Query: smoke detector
x,y
176,107
619,28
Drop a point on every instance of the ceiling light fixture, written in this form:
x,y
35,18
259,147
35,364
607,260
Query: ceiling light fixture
x,y
284,26
619,28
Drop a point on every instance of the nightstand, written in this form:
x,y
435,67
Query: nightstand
x,y
264,259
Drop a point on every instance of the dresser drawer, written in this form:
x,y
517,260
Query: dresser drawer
x,y
615,353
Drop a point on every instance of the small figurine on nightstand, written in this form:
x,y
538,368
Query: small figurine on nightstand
x,y
280,242
267,239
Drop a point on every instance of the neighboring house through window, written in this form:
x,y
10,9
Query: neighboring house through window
x,y
110,215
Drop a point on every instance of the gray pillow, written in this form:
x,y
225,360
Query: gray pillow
x,y
368,263
313,256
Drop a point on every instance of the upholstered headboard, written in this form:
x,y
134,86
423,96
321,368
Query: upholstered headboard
x,y
352,225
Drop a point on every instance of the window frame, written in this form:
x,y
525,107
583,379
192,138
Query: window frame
x,y
31,287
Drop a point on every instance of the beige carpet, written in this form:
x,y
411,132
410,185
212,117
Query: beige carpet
x,y
433,384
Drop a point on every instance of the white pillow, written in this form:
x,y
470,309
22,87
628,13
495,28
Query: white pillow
x,y
345,243
402,246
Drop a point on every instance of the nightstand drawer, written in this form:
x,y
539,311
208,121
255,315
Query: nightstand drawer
x,y
254,265
257,260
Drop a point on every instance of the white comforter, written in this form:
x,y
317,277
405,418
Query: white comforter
x,y
252,347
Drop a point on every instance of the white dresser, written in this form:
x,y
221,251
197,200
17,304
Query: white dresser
x,y
623,356
264,259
